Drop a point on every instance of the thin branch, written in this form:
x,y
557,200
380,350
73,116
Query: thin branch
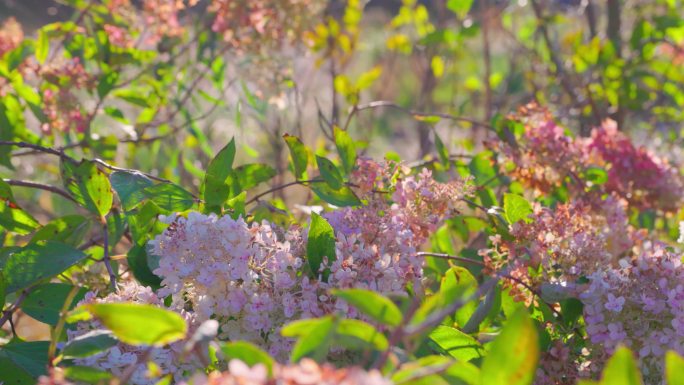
x,y
7,314
487,58
436,318
36,147
40,186
450,257
280,187
105,258
390,104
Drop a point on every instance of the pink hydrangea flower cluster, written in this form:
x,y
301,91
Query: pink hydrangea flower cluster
x,y
252,279
118,358
306,372
11,35
546,155
640,177
559,365
250,25
61,104
246,276
559,246
640,305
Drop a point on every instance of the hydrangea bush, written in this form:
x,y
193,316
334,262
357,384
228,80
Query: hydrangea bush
x,y
148,253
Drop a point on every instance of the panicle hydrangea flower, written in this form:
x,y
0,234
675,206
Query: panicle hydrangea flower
x,y
574,240
253,24
635,174
244,275
640,304
60,101
306,372
118,36
250,277
546,155
560,366
11,35
118,358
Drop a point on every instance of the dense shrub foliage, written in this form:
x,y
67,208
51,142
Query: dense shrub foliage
x,y
225,192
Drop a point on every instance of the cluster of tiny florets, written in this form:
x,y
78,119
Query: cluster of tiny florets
x,y
640,304
61,104
546,157
560,245
252,278
255,24
122,356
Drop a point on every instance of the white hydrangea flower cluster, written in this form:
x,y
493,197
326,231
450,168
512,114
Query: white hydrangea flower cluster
x,y
121,356
641,305
252,278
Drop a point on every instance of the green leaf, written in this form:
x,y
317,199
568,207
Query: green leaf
x,y
346,149
107,82
513,356
138,262
330,173
27,265
482,168
90,343
442,151
12,217
20,361
170,197
674,368
45,302
355,334
340,198
457,284
215,190
237,204
11,373
136,97
248,353
141,221
315,342
320,244
372,304
299,154
300,327
86,374
621,369
422,372
69,229
130,187
516,208
460,7
368,78
457,344
138,324
42,46
88,185
250,175
3,288
596,175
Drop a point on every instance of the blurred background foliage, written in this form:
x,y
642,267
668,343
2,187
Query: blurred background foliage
x,y
410,80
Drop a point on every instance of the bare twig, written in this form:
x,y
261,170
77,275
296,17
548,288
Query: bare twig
x,y
389,104
280,187
450,257
105,258
7,314
40,186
